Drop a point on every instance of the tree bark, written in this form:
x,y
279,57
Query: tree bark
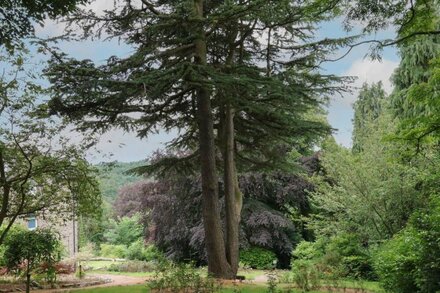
x,y
28,283
214,241
28,277
233,196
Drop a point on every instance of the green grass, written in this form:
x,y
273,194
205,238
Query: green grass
x,y
116,289
244,288
99,267
367,285
251,274
98,264
144,289
135,274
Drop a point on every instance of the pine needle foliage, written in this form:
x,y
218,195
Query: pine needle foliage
x,y
262,59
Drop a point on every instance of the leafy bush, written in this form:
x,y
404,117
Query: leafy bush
x,y
124,231
151,252
305,274
339,256
410,261
171,277
13,231
113,251
346,256
33,248
358,267
258,258
272,282
306,267
138,251
396,260
131,267
306,250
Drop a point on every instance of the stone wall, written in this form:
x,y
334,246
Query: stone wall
x,y
67,229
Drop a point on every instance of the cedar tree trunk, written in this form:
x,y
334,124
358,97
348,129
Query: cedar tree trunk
x,y
215,245
233,196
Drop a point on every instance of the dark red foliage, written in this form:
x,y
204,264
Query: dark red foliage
x,y
64,268
4,271
171,211
60,268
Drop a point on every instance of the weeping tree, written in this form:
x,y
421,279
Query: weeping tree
x,y
238,79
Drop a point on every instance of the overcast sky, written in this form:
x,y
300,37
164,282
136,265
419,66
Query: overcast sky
x,y
117,145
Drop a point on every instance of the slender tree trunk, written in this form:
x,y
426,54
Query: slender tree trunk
x,y
5,188
215,245
28,278
233,196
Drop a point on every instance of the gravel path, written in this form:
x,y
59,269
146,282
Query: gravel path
x,y
111,280
260,279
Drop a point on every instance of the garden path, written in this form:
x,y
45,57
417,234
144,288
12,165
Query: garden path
x,y
111,281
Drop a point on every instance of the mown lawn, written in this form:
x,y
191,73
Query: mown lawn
x,y
99,267
130,274
143,289
116,289
99,264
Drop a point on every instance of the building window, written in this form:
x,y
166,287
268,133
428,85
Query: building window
x,y
31,222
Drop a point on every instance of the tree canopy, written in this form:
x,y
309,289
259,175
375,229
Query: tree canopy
x,y
40,171
19,17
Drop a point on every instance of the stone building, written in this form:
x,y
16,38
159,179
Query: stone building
x,y
67,230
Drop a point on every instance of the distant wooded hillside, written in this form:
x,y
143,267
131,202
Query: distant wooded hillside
x,y
113,176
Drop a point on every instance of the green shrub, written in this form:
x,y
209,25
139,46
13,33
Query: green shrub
x,y
346,257
38,249
395,262
171,277
125,230
358,267
306,264
410,261
339,256
305,274
13,231
272,282
113,251
258,258
138,251
131,267
309,250
151,252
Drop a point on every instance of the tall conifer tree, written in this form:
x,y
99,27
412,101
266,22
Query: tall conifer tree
x,y
238,78
367,109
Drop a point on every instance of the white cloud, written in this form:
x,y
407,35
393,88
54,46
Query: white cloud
x,y
99,6
373,71
340,110
52,28
124,146
369,71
